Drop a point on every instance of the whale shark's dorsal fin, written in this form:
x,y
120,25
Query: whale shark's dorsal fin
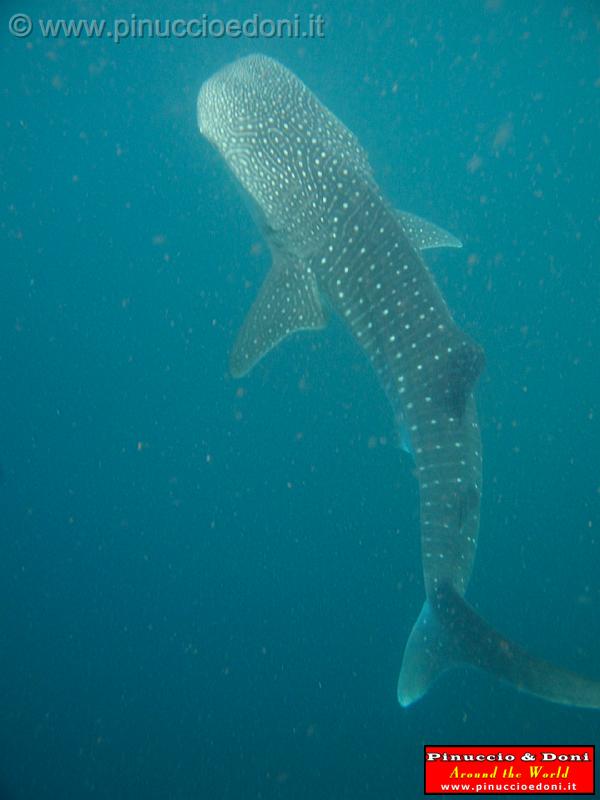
x,y
424,235
288,301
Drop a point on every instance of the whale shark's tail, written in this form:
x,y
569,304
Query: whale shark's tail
x,y
448,632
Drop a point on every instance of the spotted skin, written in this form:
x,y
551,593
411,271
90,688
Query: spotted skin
x,y
282,144
337,237
311,179
382,289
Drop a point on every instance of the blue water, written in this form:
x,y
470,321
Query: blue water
x,y
206,585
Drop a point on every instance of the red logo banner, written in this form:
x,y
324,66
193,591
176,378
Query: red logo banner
x,y
497,769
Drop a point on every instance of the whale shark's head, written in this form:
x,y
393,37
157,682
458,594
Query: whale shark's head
x,y
287,150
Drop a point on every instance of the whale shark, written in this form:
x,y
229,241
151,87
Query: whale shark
x,y
339,246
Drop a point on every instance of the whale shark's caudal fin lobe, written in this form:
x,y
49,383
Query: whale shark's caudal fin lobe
x,y
427,654
288,301
448,631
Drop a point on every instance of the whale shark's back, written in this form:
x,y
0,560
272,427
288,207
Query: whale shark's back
x,y
283,145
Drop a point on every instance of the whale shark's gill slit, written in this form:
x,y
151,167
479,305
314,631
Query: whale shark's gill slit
x,y
333,234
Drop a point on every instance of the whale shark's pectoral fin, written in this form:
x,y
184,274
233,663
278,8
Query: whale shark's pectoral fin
x,y
288,301
424,235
